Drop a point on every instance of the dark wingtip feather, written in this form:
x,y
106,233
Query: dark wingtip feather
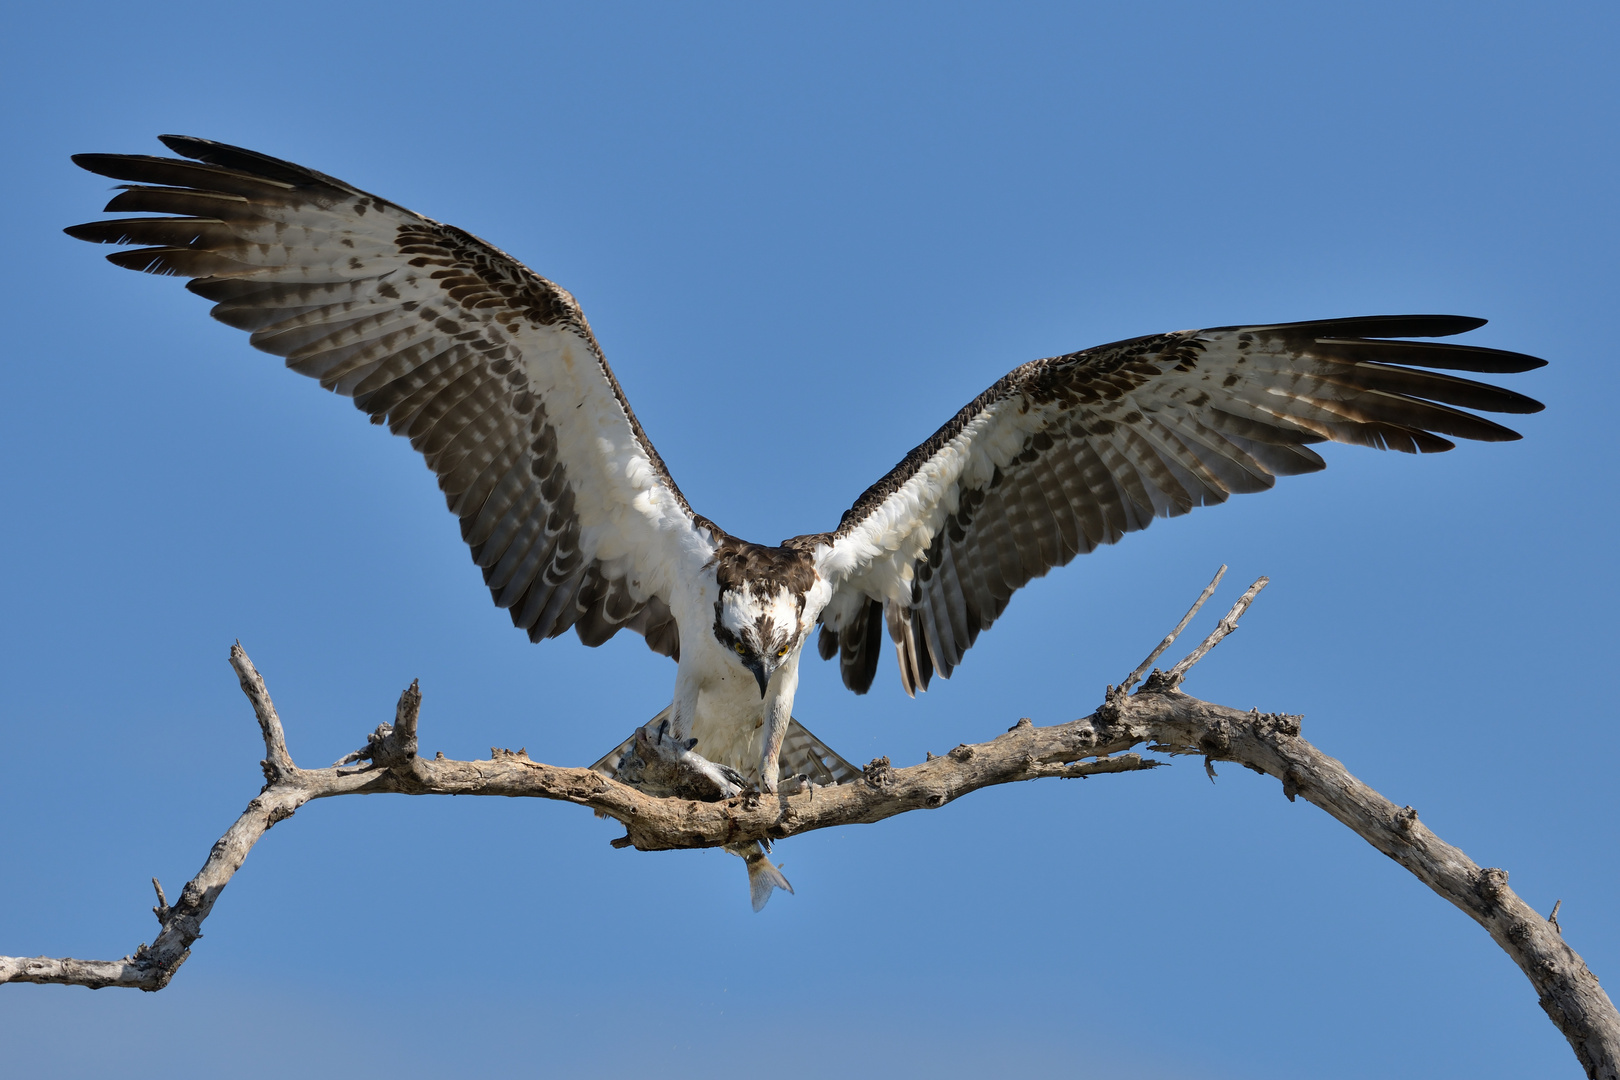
x,y
1444,356
218,154
111,165
1374,326
144,260
1396,326
1443,325
226,156
190,145
155,231
236,157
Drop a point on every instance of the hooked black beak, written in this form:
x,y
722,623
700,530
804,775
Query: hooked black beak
x,y
763,668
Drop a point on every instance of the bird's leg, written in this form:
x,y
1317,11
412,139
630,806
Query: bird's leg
x,y
770,767
778,711
683,710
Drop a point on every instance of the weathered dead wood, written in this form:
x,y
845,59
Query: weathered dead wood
x,y
1170,639
1173,678
1566,988
1158,716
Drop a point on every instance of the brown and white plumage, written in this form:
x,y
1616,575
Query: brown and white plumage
x,y
489,369
1070,452
494,375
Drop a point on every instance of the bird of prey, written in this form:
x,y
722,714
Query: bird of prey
x,y
494,375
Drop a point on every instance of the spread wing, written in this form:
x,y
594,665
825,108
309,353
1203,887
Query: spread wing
x,y
1074,451
489,369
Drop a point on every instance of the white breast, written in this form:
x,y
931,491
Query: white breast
x,y
731,714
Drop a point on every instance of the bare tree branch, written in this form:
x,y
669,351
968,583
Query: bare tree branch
x,y
1174,677
1170,639
277,763
151,967
1159,716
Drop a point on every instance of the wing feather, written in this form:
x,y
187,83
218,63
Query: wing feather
x,y
1074,451
490,371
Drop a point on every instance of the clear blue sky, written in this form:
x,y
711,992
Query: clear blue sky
x,y
856,220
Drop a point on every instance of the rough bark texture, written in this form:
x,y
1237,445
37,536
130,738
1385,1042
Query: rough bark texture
x,y
1158,716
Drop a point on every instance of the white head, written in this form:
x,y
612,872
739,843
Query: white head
x,y
758,615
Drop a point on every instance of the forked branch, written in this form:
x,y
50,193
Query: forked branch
x,y
1170,639
1158,716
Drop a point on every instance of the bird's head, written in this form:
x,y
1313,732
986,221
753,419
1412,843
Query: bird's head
x,y
760,629
758,616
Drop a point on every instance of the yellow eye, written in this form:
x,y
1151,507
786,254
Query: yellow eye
x,y
741,651
781,652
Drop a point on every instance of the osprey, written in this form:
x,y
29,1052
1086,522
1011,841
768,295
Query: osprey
x,y
494,375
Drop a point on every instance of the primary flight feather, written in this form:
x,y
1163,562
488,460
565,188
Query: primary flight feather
x,y
493,373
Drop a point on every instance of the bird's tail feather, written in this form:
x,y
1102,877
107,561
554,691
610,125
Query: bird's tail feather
x,y
802,755
608,764
805,755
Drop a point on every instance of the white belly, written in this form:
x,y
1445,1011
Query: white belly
x,y
730,720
